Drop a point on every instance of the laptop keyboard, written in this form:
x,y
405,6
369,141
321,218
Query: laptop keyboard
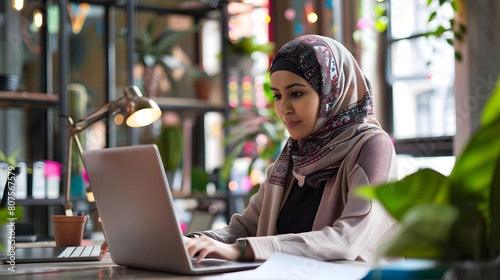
x,y
80,251
211,263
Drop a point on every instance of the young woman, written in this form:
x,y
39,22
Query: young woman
x,y
307,206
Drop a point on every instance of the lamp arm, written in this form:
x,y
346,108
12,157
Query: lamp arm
x,y
108,109
75,128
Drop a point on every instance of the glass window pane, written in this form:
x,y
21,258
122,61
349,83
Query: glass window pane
x,y
422,57
424,108
408,164
87,53
410,17
21,44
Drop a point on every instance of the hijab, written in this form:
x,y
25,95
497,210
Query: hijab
x,y
344,117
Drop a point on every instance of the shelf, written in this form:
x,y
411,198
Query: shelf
x,y
195,9
189,104
28,99
32,201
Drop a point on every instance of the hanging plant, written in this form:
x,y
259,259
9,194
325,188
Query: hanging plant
x,y
444,27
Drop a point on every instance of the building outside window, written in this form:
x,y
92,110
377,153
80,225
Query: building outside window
x,y
420,75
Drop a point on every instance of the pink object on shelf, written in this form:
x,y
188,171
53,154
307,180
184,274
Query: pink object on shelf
x,y
52,169
85,176
183,227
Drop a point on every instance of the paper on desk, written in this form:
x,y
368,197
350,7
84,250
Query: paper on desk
x,y
285,266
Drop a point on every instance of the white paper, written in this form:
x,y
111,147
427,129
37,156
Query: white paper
x,y
289,267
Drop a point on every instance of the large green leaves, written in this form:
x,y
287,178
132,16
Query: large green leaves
x,y
426,186
475,176
455,217
425,233
491,112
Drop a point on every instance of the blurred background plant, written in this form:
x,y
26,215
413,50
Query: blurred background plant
x,y
256,133
9,212
156,52
248,45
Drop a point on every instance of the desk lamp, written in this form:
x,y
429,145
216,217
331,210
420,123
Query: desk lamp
x,y
140,110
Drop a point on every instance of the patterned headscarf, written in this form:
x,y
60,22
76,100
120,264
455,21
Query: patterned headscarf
x,y
346,110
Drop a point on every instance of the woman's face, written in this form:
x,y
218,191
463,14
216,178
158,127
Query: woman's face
x,y
296,103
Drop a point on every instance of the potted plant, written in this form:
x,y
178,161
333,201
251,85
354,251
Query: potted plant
x,y
239,53
248,45
157,51
455,218
202,81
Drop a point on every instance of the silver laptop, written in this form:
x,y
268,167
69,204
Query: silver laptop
x,y
138,217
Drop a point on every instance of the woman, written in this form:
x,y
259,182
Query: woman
x,y
307,206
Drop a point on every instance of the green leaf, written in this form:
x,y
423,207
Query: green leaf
x,y
474,168
491,110
424,233
494,237
169,38
7,215
457,36
439,31
454,5
10,159
441,2
468,234
458,56
449,41
462,28
429,2
380,9
432,16
422,187
381,23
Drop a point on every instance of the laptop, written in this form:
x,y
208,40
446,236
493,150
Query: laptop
x,y
53,254
137,212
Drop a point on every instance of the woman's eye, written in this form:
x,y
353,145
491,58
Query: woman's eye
x,y
296,94
277,96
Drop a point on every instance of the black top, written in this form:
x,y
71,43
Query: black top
x,y
300,209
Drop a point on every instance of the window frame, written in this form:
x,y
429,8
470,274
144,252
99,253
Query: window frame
x,y
419,146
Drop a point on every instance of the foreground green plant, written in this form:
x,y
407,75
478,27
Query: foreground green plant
x,y
455,217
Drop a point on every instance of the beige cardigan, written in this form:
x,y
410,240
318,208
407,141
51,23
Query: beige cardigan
x,y
346,226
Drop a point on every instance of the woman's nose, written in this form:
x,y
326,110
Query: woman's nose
x,y
286,107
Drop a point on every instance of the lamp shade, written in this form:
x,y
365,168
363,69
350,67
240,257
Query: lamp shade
x,y
145,113
141,111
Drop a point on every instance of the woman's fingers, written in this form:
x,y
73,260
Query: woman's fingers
x,y
205,247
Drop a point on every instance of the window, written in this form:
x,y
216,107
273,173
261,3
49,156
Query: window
x,y
420,75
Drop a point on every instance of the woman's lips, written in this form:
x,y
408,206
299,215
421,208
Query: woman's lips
x,y
291,124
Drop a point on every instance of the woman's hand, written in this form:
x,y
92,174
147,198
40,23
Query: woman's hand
x,y
104,249
204,246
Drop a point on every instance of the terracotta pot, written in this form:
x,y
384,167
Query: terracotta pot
x,y
68,230
203,89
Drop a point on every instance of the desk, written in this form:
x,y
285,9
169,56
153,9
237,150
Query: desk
x,y
277,267
103,269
